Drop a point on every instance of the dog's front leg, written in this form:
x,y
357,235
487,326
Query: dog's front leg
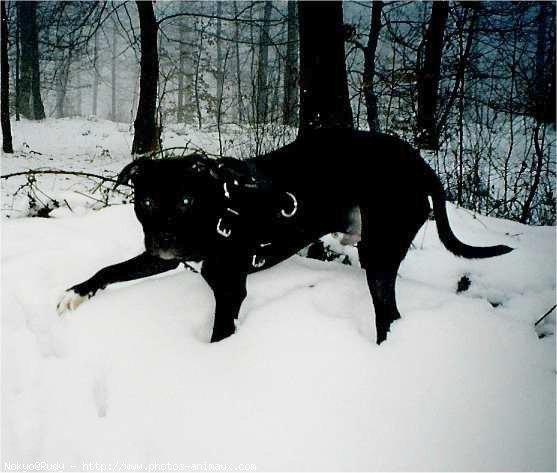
x,y
228,282
141,266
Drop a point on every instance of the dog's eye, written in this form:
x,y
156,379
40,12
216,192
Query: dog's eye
x,y
147,202
186,201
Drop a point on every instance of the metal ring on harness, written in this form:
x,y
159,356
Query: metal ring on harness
x,y
294,206
257,262
225,232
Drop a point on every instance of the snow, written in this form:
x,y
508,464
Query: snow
x,y
463,382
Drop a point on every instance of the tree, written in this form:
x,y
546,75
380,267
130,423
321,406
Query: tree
x,y
30,103
96,74
289,114
324,99
185,77
113,75
239,98
220,70
428,77
369,66
62,79
263,65
147,133
544,73
541,101
368,76
7,146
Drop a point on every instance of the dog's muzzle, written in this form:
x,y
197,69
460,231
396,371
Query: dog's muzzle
x,y
164,245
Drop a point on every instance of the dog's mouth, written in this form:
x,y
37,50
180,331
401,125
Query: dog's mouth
x,y
168,246
163,245
167,254
172,253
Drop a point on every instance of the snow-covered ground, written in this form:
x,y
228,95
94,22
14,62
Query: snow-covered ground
x,y
463,382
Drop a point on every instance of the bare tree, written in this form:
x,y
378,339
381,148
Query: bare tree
x,y
290,116
544,78
239,97
181,82
147,133
429,75
368,76
219,73
324,100
62,79
96,74
30,102
7,146
263,65
113,73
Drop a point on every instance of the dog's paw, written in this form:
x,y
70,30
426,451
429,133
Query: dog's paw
x,y
70,300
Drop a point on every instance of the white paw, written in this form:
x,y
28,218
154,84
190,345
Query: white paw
x,y
70,300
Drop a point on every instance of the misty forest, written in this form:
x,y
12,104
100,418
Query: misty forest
x,y
472,84
466,379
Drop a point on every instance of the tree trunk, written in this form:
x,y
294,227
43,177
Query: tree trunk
x,y
7,146
38,107
184,105
263,66
17,58
146,138
24,17
290,117
62,77
197,78
220,64
544,111
239,98
369,66
30,102
135,97
527,206
113,109
273,111
324,99
96,73
79,98
181,72
464,59
428,77
59,110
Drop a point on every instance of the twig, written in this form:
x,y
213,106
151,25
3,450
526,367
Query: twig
x,y
545,315
474,215
89,197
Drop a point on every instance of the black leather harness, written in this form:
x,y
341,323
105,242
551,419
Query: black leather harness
x,y
242,179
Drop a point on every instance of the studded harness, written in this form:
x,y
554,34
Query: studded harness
x,y
238,177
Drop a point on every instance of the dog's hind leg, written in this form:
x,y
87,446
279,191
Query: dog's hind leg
x,y
382,288
381,251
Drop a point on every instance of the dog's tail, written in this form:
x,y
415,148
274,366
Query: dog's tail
x,y
446,235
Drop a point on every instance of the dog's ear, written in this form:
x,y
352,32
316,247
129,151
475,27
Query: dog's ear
x,y
129,173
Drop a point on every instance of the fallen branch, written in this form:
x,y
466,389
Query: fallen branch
x,y
32,172
545,315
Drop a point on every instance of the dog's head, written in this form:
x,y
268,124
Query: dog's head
x,y
174,201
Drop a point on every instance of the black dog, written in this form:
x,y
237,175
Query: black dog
x,y
243,216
